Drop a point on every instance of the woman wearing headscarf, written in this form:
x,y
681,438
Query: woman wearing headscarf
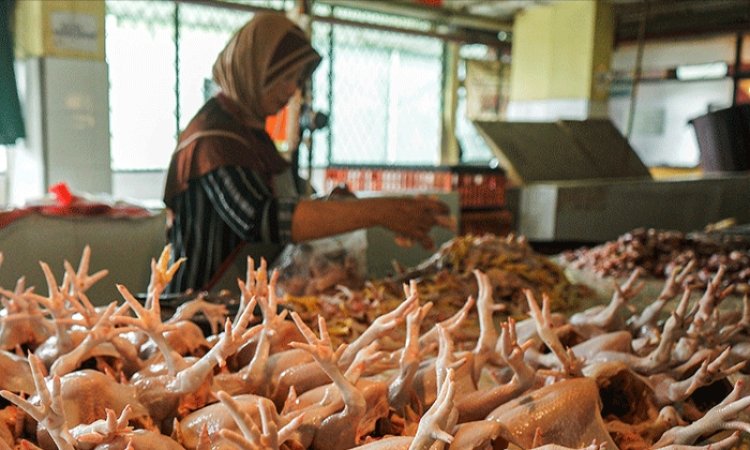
x,y
229,191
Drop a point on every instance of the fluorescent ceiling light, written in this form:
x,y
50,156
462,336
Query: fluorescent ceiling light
x,y
702,71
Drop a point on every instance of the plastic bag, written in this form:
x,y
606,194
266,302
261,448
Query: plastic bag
x,y
319,266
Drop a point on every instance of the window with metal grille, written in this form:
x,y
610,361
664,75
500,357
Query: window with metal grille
x,y
381,87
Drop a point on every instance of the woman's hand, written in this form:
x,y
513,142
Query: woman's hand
x,y
412,218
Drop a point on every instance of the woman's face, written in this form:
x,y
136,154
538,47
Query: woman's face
x,y
277,95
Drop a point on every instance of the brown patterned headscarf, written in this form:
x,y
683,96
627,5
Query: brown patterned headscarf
x,y
266,49
263,51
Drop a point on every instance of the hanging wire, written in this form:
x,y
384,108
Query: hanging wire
x,y
177,67
737,67
638,68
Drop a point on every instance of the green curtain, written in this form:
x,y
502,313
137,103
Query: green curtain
x,y
11,120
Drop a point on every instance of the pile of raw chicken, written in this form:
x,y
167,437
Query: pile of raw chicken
x,y
657,252
447,279
75,376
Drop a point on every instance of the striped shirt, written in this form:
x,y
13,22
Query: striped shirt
x,y
219,211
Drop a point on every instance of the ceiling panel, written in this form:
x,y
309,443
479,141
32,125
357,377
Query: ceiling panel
x,y
664,18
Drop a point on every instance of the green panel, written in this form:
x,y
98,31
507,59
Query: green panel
x,y
11,120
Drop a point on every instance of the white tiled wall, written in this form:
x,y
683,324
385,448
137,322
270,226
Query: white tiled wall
x,y
148,186
77,124
3,189
66,113
142,185
555,109
662,134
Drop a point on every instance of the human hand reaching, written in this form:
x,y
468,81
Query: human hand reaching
x,y
412,218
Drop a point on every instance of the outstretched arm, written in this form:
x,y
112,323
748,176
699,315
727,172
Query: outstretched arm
x,y
409,217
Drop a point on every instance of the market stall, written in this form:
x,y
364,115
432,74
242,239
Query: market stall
x,y
460,353
376,214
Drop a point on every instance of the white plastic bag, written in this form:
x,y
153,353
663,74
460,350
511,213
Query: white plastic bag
x,y
317,267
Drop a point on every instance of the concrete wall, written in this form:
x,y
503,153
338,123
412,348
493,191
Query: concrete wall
x,y
122,246
561,54
556,49
64,90
601,210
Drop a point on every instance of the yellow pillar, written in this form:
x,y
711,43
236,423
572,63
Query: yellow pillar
x,y
449,145
561,52
60,28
